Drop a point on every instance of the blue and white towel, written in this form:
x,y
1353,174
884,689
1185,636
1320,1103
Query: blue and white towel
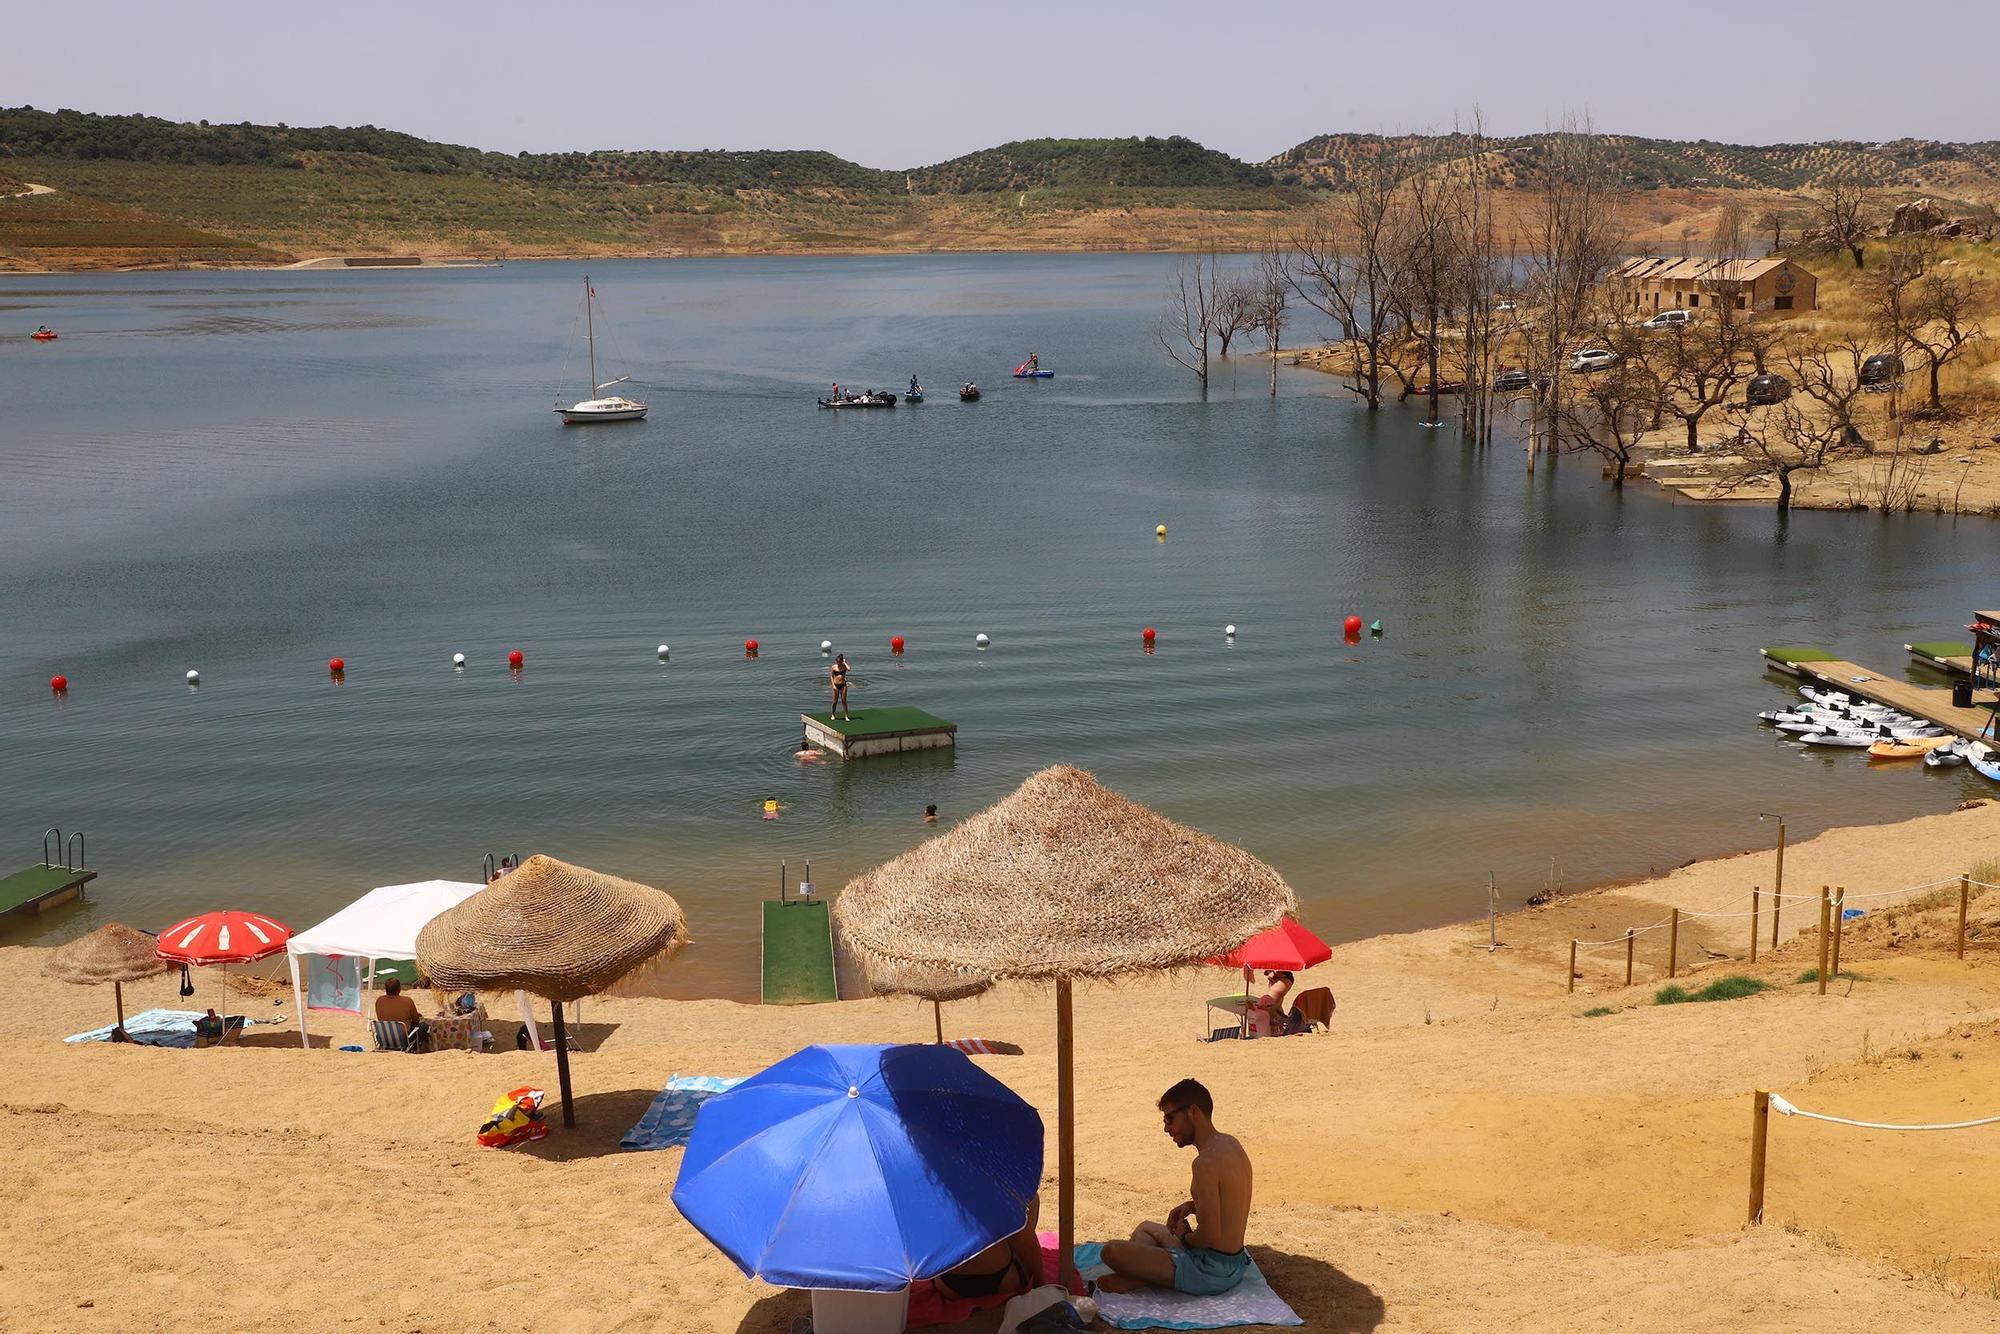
x,y
158,1028
1250,1302
670,1120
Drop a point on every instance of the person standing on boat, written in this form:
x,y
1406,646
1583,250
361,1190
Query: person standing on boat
x,y
1034,362
915,388
839,678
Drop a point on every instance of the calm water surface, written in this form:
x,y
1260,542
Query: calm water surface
x,y
251,473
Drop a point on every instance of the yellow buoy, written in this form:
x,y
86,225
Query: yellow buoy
x,y
1161,531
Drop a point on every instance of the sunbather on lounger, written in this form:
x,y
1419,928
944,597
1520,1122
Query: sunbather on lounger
x,y
1199,1249
1008,1266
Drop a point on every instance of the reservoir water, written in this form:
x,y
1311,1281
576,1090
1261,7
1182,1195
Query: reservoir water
x,y
250,473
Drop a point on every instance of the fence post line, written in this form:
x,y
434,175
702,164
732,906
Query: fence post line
x,y
1572,966
1839,925
1964,895
1825,906
1760,1129
1778,890
1674,945
1756,919
1628,955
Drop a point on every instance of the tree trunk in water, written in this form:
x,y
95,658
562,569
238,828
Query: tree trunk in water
x,y
1618,473
1784,490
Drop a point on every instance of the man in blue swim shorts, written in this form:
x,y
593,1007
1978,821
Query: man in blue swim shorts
x,y
1199,1249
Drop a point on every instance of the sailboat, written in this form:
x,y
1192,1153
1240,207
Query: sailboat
x,y
615,408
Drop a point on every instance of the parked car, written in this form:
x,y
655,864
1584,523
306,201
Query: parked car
x,y
1766,389
1592,359
1881,370
1513,379
1506,307
1669,319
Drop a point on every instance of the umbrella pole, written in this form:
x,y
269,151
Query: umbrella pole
x,y
937,1013
1065,1139
562,1066
1244,1031
118,998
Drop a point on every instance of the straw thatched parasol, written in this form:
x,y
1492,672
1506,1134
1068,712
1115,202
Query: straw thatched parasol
x,y
1062,880
890,979
562,932
113,953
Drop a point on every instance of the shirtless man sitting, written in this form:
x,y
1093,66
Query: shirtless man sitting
x,y
1199,1249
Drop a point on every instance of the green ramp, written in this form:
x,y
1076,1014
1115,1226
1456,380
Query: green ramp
x,y
42,887
798,952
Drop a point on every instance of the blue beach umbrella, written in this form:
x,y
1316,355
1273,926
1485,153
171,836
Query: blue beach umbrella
x,y
860,1167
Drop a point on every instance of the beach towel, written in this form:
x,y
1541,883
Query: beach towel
x,y
984,1046
1250,1302
333,982
159,1028
670,1119
930,1307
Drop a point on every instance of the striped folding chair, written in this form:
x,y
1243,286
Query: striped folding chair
x,y
390,1034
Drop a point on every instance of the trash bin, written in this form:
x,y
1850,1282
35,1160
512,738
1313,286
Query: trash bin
x,y
1961,693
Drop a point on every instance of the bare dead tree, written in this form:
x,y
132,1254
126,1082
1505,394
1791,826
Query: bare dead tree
x,y
1235,309
1428,242
1273,298
1844,212
1827,371
1697,365
1186,324
1920,305
1607,413
1774,220
1787,439
1476,281
1345,266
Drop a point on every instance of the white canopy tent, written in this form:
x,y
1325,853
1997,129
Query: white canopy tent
x,y
382,924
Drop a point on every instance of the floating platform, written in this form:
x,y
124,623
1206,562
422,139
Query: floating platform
x,y
798,952
1788,659
878,732
1931,703
40,888
1952,658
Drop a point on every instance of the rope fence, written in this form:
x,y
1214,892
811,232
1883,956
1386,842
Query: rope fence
x,y
1833,902
1763,1103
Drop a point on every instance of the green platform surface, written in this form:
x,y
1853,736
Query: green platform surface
x,y
1944,648
883,722
1794,653
38,882
798,953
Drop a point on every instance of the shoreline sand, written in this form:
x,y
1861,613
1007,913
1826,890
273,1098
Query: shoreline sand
x,y
1469,1149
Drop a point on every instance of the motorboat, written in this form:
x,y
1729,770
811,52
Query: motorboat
x,y
1984,758
1946,756
968,392
614,408
874,398
1850,740
916,392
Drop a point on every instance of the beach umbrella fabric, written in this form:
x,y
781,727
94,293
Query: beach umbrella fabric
x,y
1061,880
560,931
224,937
113,953
1286,947
860,1167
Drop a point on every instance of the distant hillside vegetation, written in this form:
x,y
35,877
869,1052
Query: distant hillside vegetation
x,y
1329,161
1029,164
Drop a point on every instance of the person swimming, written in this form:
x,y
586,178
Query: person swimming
x,y
771,808
930,814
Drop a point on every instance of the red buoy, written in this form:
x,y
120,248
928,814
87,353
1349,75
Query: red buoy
x,y
750,648
1147,634
514,659
336,665
896,644
1352,625
59,684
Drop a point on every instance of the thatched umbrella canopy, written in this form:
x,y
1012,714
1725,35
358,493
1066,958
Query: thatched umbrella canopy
x,y
1064,879
889,979
560,931
113,953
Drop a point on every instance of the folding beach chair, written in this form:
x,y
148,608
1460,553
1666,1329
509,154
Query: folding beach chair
x,y
391,1035
1313,1010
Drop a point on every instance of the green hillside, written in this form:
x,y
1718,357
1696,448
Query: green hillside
x,y
1029,164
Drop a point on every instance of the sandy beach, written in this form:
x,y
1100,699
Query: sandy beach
x,y
1468,1150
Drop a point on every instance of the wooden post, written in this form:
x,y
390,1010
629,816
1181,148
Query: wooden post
x,y
1065,1138
1572,966
1839,927
1825,907
1760,1129
1674,945
1756,916
1778,890
1628,956
118,988
1964,896
562,1066
937,1013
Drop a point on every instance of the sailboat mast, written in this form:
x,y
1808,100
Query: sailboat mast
x,y
590,333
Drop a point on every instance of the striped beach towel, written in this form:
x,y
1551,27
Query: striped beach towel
x,y
984,1046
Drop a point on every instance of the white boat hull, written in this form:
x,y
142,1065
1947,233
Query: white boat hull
x,y
584,413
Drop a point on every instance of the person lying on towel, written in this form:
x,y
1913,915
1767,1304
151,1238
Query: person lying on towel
x,y
1199,1249
1013,1264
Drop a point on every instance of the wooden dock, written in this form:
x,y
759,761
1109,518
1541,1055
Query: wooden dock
x,y
40,888
1932,703
1953,659
878,732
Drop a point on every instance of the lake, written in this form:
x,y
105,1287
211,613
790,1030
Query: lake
x,y
250,473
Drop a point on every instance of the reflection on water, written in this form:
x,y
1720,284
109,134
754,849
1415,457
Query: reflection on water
x,y
285,468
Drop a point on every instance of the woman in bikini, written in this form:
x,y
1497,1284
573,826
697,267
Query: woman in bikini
x,y
1008,1266
839,675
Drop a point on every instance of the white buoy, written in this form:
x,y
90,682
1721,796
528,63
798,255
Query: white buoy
x,y
194,678
663,653
981,640
458,660
826,646
1229,630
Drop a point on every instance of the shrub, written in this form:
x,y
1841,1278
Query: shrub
x,y
1812,975
1598,1012
1723,988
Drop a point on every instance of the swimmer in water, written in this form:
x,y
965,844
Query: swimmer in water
x,y
930,815
771,808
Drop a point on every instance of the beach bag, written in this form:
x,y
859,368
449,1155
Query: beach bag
x,y
516,1119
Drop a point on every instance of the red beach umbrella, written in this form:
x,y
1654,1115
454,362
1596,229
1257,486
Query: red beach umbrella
x,y
230,936
1286,947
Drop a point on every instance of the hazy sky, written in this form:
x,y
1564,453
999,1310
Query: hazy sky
x,y
906,84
